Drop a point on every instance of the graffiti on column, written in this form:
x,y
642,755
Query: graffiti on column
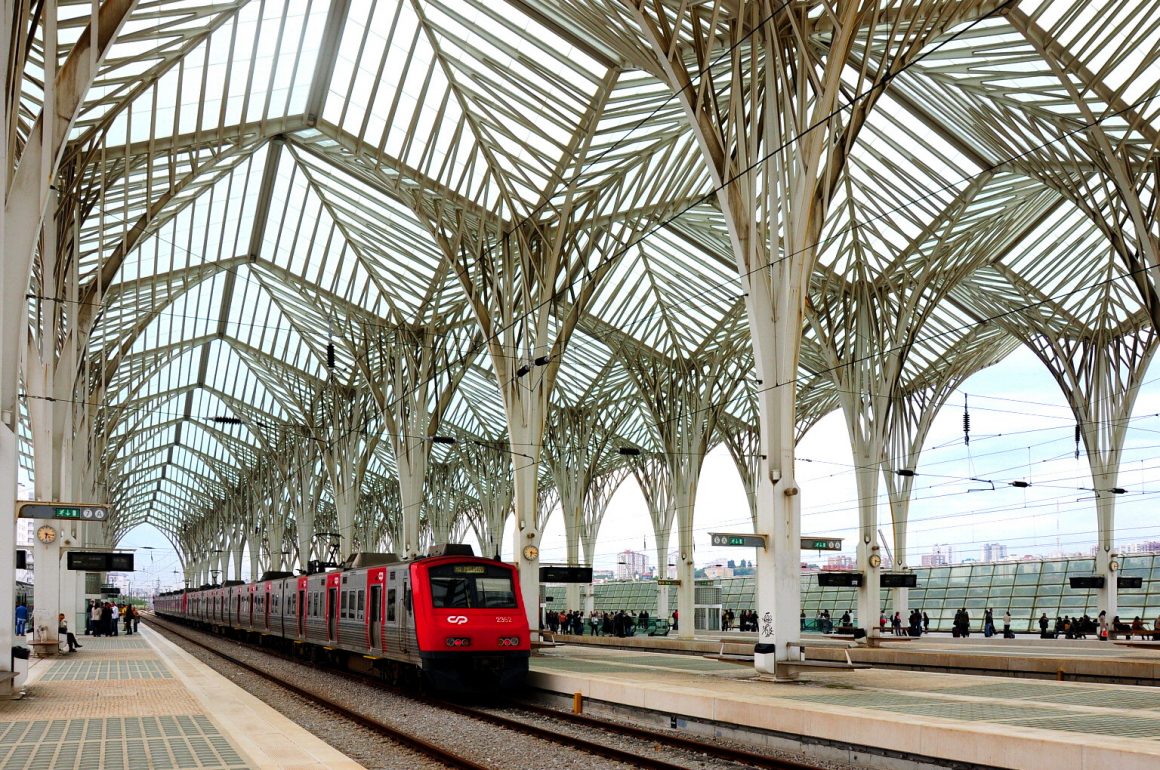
x,y
767,624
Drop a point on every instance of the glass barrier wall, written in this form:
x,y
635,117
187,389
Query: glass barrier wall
x,y
1028,588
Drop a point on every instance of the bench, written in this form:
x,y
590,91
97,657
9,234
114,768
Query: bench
x,y
1145,645
832,664
45,648
728,657
1145,633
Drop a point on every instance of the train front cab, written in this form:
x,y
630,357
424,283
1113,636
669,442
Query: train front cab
x,y
470,622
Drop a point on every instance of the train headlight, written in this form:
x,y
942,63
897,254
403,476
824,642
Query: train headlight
x,y
509,641
458,641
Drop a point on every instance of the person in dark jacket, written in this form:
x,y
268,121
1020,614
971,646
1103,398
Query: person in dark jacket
x,y
62,628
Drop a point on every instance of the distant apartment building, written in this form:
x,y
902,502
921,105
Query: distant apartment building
x,y
841,561
631,565
939,556
994,552
718,569
1148,546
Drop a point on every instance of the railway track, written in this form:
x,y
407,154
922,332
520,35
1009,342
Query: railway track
x,y
433,751
648,743
724,753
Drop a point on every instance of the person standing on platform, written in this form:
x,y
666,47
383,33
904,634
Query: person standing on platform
x,y
676,616
21,618
127,615
95,615
115,616
925,622
136,620
988,623
106,619
1103,623
1007,625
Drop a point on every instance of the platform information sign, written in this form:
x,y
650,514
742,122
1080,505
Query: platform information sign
x,y
739,541
821,543
71,511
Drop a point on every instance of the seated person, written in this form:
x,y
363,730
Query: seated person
x,y
1138,627
1117,625
62,628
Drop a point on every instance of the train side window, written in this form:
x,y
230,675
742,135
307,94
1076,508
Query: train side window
x,y
391,605
407,599
342,606
360,606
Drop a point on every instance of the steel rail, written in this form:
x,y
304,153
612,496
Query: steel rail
x,y
432,750
721,753
724,753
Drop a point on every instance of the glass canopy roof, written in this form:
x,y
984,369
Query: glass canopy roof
x,y
263,188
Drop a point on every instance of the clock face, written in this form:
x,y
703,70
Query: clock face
x,y
531,552
46,534
875,560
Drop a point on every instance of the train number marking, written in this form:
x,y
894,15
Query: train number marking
x,y
458,620
502,620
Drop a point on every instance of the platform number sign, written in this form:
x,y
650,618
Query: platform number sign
x,y
737,541
68,511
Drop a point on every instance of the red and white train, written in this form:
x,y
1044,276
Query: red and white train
x,y
456,618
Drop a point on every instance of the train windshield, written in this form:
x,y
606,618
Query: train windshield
x,y
458,586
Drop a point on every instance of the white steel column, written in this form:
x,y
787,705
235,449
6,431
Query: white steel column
x,y
8,465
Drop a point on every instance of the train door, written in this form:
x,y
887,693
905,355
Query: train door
x,y
266,606
391,621
331,612
374,618
300,608
406,620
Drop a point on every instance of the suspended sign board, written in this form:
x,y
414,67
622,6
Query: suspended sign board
x,y
565,574
1087,581
821,543
1129,582
898,580
97,561
668,582
738,541
839,579
73,511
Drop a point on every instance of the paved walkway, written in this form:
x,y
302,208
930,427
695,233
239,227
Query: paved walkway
x,y
1008,722
140,703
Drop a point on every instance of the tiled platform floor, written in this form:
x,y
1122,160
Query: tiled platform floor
x,y
1018,723
140,703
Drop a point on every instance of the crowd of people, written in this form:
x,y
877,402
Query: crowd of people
x,y
621,623
103,618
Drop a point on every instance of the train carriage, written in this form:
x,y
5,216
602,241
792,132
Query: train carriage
x,y
455,618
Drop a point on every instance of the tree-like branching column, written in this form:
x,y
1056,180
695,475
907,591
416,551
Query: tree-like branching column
x,y
685,399
776,95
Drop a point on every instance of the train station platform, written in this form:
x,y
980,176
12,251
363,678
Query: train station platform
x,y
1087,660
874,715
140,703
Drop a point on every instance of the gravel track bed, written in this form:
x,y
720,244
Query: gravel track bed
x,y
484,743
630,743
369,749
